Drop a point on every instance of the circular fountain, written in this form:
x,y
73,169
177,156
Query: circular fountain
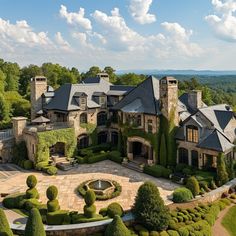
x,y
100,186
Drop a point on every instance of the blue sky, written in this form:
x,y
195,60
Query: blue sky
x,y
126,34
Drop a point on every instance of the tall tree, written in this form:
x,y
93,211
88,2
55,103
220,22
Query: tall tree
x,y
92,72
2,81
222,175
111,72
4,109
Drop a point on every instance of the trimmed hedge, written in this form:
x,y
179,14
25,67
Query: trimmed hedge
x,y
182,195
59,217
14,201
193,186
114,209
82,191
115,156
157,171
4,225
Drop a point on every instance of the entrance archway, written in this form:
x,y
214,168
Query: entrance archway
x,y
57,149
83,141
102,137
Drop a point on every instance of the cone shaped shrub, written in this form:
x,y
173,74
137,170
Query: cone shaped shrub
x,y
149,209
4,225
117,228
222,175
34,225
193,186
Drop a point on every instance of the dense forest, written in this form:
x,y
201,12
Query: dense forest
x,y
15,92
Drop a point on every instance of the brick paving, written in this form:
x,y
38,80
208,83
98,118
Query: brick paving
x,y
68,181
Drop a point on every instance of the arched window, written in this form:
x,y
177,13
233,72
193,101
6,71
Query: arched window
x,y
101,118
183,156
102,137
114,137
192,133
194,155
83,141
83,118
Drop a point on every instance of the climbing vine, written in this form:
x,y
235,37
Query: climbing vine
x,y
92,131
49,138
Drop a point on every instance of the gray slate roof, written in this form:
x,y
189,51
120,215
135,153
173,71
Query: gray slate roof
x,y
216,141
144,98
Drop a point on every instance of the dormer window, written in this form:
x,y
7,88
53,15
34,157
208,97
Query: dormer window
x,y
81,100
192,134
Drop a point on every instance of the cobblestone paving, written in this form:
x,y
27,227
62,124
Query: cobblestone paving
x,y
67,183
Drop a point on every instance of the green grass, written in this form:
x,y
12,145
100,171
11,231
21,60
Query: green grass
x,y
229,221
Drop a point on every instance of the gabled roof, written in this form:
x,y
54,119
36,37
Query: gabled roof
x,y
144,98
216,141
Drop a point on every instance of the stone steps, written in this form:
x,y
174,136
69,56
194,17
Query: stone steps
x,y
132,166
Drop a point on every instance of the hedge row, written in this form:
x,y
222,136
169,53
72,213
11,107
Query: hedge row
x,y
157,171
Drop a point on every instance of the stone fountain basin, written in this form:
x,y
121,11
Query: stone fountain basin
x,y
101,186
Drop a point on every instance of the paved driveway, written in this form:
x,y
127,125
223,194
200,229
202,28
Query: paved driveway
x,y
68,181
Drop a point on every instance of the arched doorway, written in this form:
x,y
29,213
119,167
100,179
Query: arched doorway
x,y
83,141
183,156
194,155
114,138
102,137
57,149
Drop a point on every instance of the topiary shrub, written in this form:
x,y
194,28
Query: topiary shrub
x,y
89,208
41,165
59,217
28,165
31,181
193,185
31,192
115,156
52,170
103,211
31,203
222,175
114,209
182,195
14,200
4,225
153,233
52,204
157,171
149,209
117,228
34,225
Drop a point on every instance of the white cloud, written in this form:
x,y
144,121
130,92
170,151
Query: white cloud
x,y
139,10
224,23
62,43
76,18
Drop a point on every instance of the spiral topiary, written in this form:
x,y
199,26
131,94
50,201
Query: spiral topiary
x,y
52,204
90,208
31,192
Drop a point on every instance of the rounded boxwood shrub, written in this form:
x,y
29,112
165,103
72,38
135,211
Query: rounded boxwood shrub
x,y
114,209
90,211
31,203
28,165
182,195
149,209
52,170
31,181
32,193
4,225
117,228
34,225
52,192
103,211
90,197
193,185
153,233
53,205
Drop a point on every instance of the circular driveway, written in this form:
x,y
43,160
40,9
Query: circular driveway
x,y
68,181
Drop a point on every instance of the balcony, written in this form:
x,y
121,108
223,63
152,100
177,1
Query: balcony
x,y
50,126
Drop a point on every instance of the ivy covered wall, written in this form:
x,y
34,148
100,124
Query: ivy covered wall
x,y
49,138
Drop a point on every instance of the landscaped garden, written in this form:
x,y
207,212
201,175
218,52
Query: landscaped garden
x,y
229,221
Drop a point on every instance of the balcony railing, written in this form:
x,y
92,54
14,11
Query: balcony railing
x,y
5,134
50,126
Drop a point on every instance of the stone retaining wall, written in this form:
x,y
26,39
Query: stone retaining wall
x,y
83,229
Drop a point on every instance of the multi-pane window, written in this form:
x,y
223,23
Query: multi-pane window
x,y
149,122
102,118
135,120
192,134
83,118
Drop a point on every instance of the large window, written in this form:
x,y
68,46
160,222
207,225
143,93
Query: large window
x,y
114,137
149,122
101,118
183,156
83,118
192,134
83,141
134,119
102,137
194,155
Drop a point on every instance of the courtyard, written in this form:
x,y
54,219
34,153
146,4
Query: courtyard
x,y
68,181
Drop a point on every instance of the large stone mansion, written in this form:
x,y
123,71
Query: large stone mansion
x,y
202,133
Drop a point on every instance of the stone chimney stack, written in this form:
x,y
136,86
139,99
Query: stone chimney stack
x,y
19,123
169,98
104,75
195,99
38,86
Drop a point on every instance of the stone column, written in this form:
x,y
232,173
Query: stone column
x,y
189,158
19,123
130,150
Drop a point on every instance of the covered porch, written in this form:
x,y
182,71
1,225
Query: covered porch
x,y
140,151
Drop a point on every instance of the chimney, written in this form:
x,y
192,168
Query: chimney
x,y
38,86
104,76
195,99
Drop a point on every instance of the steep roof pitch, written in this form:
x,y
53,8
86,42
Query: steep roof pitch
x,y
144,98
216,141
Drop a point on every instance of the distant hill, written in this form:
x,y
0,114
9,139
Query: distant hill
x,y
179,72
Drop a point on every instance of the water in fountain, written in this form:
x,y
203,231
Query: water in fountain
x,y
99,184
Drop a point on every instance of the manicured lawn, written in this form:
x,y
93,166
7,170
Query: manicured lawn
x,y
229,221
